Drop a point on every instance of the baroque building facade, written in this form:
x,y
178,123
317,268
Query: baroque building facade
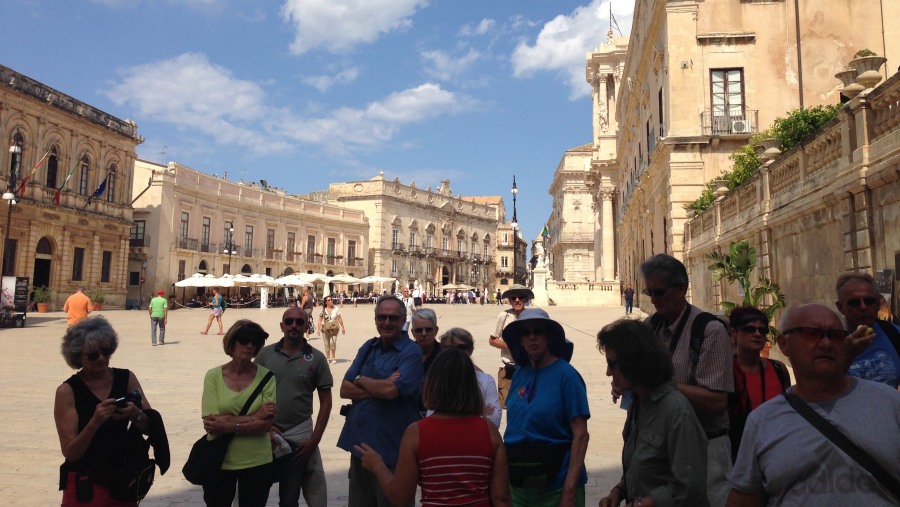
x,y
69,169
571,249
425,238
700,78
187,222
510,261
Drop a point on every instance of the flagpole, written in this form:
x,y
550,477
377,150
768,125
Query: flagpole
x,y
65,181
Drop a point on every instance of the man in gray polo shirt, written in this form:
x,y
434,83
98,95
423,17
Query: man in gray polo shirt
x,y
299,371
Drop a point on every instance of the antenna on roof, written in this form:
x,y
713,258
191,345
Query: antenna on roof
x,y
612,22
163,152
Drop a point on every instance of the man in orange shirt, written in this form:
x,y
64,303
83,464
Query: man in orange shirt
x,y
77,306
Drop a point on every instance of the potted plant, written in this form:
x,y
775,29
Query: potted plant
x,y
42,296
98,297
736,266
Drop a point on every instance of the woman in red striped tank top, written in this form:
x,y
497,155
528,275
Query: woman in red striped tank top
x,y
454,455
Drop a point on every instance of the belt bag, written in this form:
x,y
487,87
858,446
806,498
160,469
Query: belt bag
x,y
535,466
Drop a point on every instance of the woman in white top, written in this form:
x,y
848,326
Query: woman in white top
x,y
330,321
460,338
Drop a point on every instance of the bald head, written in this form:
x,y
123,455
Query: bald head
x,y
812,314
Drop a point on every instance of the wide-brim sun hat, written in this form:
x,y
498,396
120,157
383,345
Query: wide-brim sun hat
x,y
558,345
518,289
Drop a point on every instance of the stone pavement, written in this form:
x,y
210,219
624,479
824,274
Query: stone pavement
x,y
172,377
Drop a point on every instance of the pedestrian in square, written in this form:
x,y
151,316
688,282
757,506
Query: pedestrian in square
x,y
159,317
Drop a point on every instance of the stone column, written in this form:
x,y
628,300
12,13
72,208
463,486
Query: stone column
x,y
598,241
608,263
601,109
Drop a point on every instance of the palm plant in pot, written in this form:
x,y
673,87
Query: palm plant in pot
x,y
42,296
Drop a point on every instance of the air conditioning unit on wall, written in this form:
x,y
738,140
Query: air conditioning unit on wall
x,y
741,127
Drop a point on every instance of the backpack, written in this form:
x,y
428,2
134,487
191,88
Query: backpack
x,y
223,303
697,333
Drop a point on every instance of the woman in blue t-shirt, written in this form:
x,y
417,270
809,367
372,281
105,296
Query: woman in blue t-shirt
x,y
546,431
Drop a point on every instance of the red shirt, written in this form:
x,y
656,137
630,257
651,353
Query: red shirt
x,y
755,385
456,458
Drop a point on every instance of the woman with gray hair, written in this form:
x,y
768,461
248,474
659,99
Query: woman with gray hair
x,y
93,410
459,338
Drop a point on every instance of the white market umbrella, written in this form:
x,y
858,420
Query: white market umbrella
x,y
198,280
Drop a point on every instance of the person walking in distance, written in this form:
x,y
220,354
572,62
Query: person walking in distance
x,y
307,302
518,296
300,370
78,306
216,308
159,317
628,293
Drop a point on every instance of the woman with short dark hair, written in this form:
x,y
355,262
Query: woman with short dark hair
x,y
458,337
226,389
455,455
664,457
92,411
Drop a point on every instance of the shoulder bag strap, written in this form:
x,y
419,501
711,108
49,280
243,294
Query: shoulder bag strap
x,y
891,332
255,393
845,444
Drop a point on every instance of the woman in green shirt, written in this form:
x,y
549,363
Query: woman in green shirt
x,y
226,389
664,457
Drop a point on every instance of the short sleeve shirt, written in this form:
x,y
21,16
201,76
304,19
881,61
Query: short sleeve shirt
x,y
158,306
880,362
299,376
503,320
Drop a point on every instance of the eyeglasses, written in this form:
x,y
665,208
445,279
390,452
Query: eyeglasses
x,y
656,293
857,302
392,318
95,355
816,334
289,321
754,329
420,330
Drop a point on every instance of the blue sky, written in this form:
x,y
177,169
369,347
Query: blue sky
x,y
306,92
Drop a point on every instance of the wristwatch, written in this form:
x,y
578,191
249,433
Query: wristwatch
x,y
356,379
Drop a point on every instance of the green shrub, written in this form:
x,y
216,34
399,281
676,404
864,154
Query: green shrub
x,y
864,52
802,123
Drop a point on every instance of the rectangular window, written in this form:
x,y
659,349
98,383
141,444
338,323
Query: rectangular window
x,y
248,239
111,188
727,96
394,267
351,249
134,278
487,248
395,238
504,262
204,234
412,238
228,235
182,264
429,241
445,243
291,242
459,246
330,247
412,268
473,247
106,266
83,178
9,259
505,238
310,246
185,221
78,264
270,239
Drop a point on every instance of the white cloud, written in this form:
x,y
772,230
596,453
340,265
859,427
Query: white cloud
x,y
193,94
480,29
563,41
323,83
444,67
339,25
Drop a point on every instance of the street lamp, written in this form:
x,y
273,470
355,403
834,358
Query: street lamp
x,y
11,199
229,247
515,225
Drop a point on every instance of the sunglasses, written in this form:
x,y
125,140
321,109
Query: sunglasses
x,y
290,321
857,302
420,330
246,340
656,293
752,329
392,318
516,298
533,331
816,334
95,355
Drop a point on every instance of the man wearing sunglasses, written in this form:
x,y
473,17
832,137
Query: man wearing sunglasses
x,y
878,358
518,296
702,359
383,382
784,459
300,370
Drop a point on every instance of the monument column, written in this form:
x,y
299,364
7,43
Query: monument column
x,y
608,266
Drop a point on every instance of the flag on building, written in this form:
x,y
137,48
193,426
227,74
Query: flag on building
x,y
545,233
61,187
25,179
100,189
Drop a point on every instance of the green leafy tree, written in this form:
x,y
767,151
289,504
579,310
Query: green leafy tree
x,y
736,266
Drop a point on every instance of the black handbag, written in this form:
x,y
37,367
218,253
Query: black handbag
x,y
207,456
535,466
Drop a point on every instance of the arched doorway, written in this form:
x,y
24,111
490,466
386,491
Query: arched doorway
x,y
43,258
